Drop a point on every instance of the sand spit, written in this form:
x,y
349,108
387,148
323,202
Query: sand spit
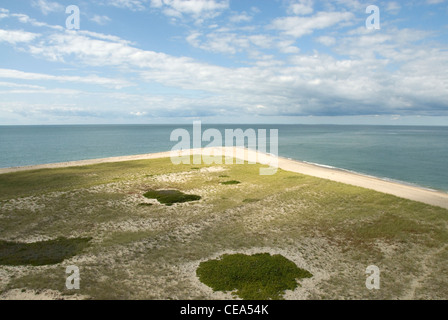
x,y
431,197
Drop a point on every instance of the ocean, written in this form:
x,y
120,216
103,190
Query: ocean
x,y
415,155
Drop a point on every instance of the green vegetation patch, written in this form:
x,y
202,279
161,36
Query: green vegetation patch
x,y
230,182
255,277
169,197
40,253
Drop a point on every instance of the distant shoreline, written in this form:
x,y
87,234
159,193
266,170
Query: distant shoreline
x,y
402,190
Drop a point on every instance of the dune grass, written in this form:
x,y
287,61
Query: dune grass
x,y
152,252
41,181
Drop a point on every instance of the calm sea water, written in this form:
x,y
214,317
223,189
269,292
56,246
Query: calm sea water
x,y
416,155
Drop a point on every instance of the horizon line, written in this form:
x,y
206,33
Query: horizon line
x,y
225,123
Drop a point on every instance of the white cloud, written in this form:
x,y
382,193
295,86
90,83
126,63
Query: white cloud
x,y
309,84
287,46
393,7
138,113
23,18
241,17
102,36
261,40
19,85
193,39
134,5
54,91
301,7
3,13
170,12
326,40
17,36
101,20
354,5
301,84
224,41
300,26
199,9
220,42
47,7
91,79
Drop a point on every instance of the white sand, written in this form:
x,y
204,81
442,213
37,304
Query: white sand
x,y
431,197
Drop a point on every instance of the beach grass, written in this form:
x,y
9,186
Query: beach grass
x,y
330,229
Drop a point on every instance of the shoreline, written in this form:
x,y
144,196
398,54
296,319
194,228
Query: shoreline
x,y
410,184
402,190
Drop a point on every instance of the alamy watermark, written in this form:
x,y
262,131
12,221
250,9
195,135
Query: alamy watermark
x,y
232,147
74,19
373,21
373,279
73,280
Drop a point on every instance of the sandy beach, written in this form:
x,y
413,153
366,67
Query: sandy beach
x,y
427,196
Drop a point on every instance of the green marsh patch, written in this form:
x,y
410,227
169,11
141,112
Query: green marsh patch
x,y
256,277
170,197
40,253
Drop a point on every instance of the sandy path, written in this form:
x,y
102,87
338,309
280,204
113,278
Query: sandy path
x,y
435,198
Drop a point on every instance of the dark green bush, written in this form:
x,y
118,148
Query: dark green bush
x,y
169,197
230,182
256,277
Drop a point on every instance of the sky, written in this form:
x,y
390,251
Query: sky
x,y
224,61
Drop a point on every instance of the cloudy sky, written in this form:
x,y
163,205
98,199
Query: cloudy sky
x,y
237,61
